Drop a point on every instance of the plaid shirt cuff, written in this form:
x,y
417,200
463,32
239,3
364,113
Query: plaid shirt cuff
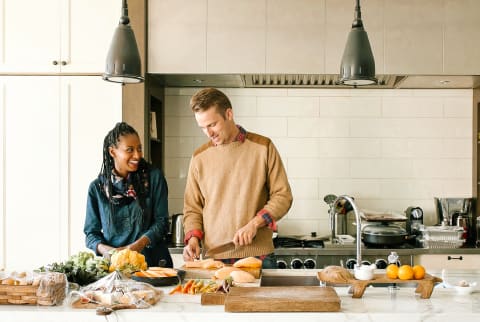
x,y
193,233
268,219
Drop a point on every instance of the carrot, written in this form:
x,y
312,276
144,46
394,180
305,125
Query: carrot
x,y
176,289
187,286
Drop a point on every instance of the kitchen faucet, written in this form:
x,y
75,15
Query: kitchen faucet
x,y
357,221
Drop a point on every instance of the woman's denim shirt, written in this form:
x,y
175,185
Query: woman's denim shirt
x,y
128,222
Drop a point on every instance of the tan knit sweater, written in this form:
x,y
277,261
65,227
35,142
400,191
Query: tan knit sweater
x,y
228,184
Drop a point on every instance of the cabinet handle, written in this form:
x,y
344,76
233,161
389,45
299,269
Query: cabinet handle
x,y
64,63
459,258
55,62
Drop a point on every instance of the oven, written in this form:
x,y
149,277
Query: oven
x,y
312,253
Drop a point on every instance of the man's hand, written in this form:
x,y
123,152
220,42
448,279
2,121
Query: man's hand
x,y
192,250
244,236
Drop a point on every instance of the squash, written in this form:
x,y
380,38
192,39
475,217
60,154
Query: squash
x,y
127,261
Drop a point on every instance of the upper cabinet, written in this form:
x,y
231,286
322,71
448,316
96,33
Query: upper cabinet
x,y
408,37
462,32
55,36
236,36
295,36
413,37
177,36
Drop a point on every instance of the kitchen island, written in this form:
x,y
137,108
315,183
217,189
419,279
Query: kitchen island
x,y
377,304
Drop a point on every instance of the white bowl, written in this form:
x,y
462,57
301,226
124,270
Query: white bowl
x,y
464,290
364,272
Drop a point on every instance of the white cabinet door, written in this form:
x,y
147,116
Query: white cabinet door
x,y
448,261
56,36
295,38
2,171
462,31
236,36
31,36
33,216
177,33
53,129
94,106
413,37
87,28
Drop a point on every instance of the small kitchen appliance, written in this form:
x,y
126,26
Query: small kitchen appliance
x,y
177,230
414,220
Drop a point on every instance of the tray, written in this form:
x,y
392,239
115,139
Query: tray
x,y
424,286
161,281
48,289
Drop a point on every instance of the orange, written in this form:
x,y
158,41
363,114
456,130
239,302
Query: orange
x,y
392,271
418,272
405,272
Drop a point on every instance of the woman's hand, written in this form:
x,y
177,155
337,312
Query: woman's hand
x,y
139,244
192,250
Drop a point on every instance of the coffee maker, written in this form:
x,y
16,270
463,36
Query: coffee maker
x,y
458,212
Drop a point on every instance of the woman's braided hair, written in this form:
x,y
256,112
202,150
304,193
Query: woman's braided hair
x,y
139,178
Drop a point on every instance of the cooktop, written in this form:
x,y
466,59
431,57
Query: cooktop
x,y
297,242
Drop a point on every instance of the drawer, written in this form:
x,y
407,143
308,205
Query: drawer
x,y
448,261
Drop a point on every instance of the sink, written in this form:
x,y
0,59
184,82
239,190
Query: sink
x,y
289,280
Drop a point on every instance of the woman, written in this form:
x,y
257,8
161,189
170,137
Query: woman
x,y
127,204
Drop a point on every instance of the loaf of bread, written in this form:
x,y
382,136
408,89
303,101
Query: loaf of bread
x,y
335,274
248,262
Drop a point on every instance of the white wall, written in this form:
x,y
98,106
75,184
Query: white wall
x,y
389,149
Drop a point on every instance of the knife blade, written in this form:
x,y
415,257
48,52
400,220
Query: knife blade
x,y
220,249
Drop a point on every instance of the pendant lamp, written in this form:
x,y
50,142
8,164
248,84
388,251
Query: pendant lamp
x,y
358,64
123,60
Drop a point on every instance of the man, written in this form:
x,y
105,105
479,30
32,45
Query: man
x,y
237,188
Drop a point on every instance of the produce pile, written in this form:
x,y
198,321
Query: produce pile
x,y
82,268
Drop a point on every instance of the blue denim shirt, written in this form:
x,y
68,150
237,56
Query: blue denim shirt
x,y
127,223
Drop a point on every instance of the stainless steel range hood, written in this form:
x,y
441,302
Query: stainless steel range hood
x,y
313,81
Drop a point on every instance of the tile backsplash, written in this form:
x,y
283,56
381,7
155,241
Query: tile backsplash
x,y
389,149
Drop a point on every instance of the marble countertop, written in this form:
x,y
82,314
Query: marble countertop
x,y
377,304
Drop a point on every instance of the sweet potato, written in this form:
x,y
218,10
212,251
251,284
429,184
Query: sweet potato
x,y
224,272
242,277
248,262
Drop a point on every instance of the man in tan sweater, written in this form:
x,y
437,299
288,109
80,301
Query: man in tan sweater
x,y
237,188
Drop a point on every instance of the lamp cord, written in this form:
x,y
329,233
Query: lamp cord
x,y
124,20
357,21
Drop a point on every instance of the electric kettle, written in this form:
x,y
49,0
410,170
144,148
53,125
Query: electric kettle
x,y
177,230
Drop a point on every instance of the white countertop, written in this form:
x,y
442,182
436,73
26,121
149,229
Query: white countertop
x,y
377,304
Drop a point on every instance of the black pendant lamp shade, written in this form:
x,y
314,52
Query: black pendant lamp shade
x,y
358,64
123,60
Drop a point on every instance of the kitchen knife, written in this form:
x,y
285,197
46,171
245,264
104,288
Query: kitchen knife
x,y
220,249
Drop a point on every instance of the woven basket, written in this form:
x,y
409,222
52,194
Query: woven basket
x,y
48,289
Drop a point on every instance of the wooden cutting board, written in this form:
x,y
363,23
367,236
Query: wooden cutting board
x,y
282,299
193,273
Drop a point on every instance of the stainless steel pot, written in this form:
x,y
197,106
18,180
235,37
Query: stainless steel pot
x,y
177,230
384,234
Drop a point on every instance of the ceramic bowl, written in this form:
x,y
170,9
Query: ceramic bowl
x,y
465,288
364,272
